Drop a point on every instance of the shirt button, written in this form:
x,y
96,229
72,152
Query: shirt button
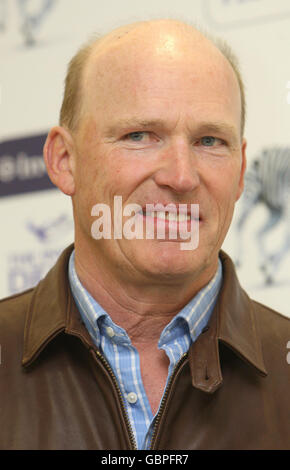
x,y
132,397
110,331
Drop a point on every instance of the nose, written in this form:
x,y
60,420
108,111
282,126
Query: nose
x,y
178,168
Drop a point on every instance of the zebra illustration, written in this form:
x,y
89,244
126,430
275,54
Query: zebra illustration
x,y
267,181
32,15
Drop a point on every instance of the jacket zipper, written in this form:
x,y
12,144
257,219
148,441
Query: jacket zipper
x,y
163,401
111,373
165,397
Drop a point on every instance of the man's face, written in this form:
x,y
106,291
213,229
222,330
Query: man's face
x,y
162,124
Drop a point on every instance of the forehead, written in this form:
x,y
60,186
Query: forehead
x,y
138,73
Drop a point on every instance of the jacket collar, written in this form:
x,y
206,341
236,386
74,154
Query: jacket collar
x,y
233,323
52,310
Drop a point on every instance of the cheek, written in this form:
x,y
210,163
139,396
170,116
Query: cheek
x,y
127,172
224,190
91,172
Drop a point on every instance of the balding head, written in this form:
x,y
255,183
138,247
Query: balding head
x,y
156,119
162,39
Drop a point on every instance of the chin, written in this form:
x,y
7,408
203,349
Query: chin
x,y
169,261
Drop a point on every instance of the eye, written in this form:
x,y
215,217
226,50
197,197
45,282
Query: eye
x,y
140,139
209,141
135,136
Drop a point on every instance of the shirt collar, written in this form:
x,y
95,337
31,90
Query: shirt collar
x,y
194,315
88,307
198,310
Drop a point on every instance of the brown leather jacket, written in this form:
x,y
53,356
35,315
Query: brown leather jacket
x,y
231,391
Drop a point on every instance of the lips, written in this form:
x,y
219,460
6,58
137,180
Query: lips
x,y
170,216
171,212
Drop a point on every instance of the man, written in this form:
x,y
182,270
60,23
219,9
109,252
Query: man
x,y
135,342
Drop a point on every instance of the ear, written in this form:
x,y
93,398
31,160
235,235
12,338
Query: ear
x,y
60,160
243,169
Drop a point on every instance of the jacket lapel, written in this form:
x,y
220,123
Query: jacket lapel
x,y
51,311
232,323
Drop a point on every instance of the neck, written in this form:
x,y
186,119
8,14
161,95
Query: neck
x,y
144,308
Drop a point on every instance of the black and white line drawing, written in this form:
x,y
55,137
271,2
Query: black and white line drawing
x,y
32,15
267,182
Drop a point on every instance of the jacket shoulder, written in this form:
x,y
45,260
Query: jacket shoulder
x,y
12,326
274,332
13,312
271,318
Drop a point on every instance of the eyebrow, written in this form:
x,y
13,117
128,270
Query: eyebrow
x,y
220,127
131,123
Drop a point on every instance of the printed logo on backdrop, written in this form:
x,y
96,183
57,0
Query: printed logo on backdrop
x,y
31,16
239,13
22,167
26,268
264,210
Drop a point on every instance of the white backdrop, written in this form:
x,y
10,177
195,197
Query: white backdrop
x,y
37,225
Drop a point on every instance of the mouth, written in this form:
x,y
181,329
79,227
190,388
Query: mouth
x,y
169,216
173,214
171,222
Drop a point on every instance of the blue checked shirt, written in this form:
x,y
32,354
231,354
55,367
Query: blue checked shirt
x,y
114,343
